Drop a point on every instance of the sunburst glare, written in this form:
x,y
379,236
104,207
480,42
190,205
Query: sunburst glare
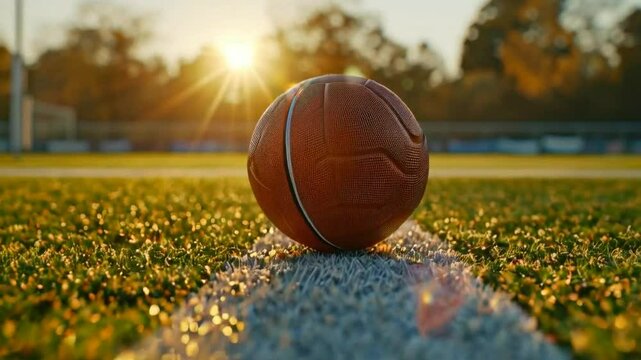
x,y
233,78
239,55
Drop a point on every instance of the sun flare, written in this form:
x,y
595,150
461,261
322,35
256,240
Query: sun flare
x,y
239,56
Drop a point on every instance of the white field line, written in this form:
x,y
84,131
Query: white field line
x,y
124,172
408,298
216,172
537,173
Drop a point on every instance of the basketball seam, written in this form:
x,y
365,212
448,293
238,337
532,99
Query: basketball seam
x,y
395,112
250,161
290,172
255,176
384,151
364,153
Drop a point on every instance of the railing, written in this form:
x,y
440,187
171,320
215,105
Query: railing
x,y
531,128
452,136
184,129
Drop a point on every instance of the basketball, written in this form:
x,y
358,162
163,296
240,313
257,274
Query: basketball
x,y
338,162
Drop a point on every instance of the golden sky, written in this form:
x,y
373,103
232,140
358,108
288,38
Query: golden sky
x,y
183,27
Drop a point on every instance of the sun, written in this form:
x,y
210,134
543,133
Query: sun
x,y
239,56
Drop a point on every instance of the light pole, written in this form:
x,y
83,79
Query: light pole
x,y
15,136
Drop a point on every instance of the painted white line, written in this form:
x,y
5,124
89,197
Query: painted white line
x,y
217,172
536,173
55,172
410,297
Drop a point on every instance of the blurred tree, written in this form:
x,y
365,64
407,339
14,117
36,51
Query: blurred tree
x,y
324,43
483,96
205,88
332,40
496,82
596,35
5,82
539,54
630,67
481,47
413,82
596,96
536,54
523,40
192,88
522,59
97,71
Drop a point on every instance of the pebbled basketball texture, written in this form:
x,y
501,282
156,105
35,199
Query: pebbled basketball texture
x,y
338,162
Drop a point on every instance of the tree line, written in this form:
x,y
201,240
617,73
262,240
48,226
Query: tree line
x,y
521,60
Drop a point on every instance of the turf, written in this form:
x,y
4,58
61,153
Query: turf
x,y
204,160
407,298
88,267
83,261
568,251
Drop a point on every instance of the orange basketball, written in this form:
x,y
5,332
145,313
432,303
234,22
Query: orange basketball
x,y
338,162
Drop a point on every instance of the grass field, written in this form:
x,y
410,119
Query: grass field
x,y
180,160
90,266
569,251
83,260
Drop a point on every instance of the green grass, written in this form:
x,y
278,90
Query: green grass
x,y
568,251
82,261
180,160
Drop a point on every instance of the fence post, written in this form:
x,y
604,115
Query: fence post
x,y
15,135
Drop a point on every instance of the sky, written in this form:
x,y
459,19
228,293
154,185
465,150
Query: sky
x,y
182,28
